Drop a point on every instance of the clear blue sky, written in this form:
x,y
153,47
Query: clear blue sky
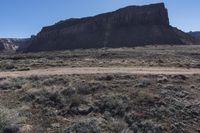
x,y
22,18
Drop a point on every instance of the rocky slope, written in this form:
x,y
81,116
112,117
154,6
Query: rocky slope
x,y
195,34
126,27
13,44
7,44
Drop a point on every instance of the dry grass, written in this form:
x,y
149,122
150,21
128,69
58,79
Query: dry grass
x,y
169,56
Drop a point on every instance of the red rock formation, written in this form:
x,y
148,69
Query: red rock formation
x,y
126,27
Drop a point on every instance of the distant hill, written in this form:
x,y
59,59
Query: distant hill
x,y
127,27
195,34
14,44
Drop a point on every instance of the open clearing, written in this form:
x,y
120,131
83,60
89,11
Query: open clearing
x,y
144,89
102,70
151,56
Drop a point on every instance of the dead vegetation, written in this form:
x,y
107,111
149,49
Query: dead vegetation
x,y
119,103
105,103
165,56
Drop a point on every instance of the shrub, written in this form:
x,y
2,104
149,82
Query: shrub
x,y
8,66
91,125
106,78
118,126
15,83
146,97
6,118
115,104
76,100
3,120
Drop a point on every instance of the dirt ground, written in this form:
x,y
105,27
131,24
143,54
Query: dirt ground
x,y
102,70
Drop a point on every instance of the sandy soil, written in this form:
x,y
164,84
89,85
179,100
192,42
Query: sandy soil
x,y
102,70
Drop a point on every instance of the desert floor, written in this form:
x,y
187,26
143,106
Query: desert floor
x,y
144,89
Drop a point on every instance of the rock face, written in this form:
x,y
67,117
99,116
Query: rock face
x,y
195,34
126,27
12,44
8,45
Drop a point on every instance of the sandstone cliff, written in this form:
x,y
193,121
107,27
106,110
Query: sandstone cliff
x,y
8,45
13,44
126,27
